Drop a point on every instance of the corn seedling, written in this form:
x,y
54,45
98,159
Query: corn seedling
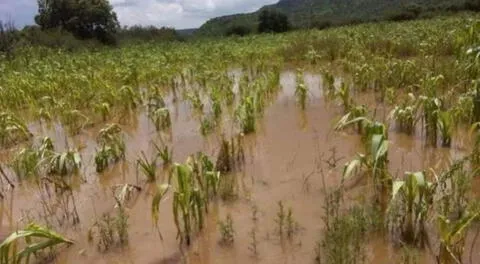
x,y
246,115
375,162
446,126
148,167
160,193
301,90
226,230
103,109
188,202
165,154
37,239
161,119
344,95
412,199
230,155
65,163
207,125
112,147
452,236
12,129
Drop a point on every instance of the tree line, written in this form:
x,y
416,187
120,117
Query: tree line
x,y
74,24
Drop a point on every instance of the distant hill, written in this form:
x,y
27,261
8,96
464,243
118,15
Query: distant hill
x,y
322,13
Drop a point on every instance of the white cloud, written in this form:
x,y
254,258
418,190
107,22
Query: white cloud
x,y
172,13
180,13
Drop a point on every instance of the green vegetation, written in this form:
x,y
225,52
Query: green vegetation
x,y
37,239
324,14
422,75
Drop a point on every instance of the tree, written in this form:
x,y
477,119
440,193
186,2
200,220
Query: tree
x,y
8,38
273,21
238,30
472,5
85,19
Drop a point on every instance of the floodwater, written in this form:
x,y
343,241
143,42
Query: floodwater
x,y
284,162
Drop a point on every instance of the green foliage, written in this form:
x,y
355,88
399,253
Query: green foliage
x,y
36,239
85,19
246,115
272,21
112,147
148,167
8,38
324,14
160,193
301,90
412,199
194,183
12,129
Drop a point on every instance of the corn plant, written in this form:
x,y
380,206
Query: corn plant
x,y
195,182
194,97
28,162
226,230
104,110
36,238
355,115
207,125
368,128
344,95
405,115
25,163
109,154
328,84
375,162
64,163
446,126
188,202
129,98
148,167
301,90
12,129
453,236
74,120
165,154
112,147
413,198
246,115
231,155
160,193
161,118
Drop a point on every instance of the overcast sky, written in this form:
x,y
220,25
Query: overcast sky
x,y
173,13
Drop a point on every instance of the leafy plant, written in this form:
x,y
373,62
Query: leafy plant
x,y
148,167
12,129
160,193
246,115
161,118
413,198
301,90
36,238
64,163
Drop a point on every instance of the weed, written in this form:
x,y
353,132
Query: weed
x,y
226,230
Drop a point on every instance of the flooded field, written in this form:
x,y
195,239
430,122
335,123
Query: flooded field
x,y
295,157
342,146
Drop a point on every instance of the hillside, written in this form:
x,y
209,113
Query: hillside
x,y
320,13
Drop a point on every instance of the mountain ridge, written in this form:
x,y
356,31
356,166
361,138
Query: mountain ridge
x,y
318,13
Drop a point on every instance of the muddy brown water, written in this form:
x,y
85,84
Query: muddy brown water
x,y
282,161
